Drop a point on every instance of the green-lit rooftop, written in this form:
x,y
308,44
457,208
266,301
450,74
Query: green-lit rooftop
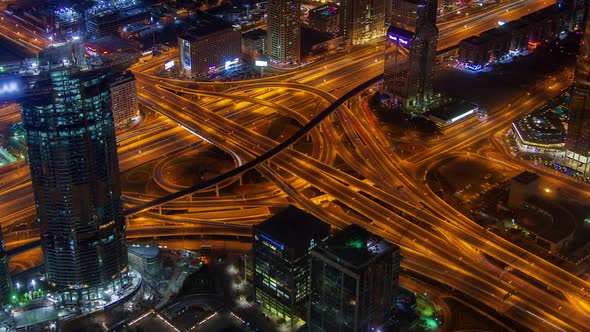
x,y
356,247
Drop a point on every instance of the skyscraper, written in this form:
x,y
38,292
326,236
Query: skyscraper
x,y
577,142
75,174
283,32
354,281
410,52
362,20
5,285
281,262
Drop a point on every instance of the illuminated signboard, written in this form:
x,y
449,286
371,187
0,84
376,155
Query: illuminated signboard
x,y
186,54
169,64
261,63
10,88
399,39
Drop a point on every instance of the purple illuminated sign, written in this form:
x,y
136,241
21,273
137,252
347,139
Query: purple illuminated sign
x,y
399,39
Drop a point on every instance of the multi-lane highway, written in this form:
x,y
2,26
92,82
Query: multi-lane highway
x,y
461,243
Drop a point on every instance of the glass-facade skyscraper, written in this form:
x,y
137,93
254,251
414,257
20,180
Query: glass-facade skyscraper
x,y
577,142
354,281
281,262
283,32
410,52
75,174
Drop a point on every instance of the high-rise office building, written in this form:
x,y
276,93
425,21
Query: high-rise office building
x,y
577,141
75,173
281,262
209,43
124,99
410,52
362,20
354,281
283,32
5,285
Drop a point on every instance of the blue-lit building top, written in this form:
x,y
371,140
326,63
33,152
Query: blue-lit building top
x,y
107,17
281,261
75,174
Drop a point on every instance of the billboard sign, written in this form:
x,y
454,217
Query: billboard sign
x,y
11,88
399,39
186,54
260,63
169,64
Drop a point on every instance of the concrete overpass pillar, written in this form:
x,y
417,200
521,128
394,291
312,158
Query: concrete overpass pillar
x,y
217,190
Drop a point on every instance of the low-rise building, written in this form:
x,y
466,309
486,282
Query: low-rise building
x,y
254,43
146,259
108,17
499,43
474,52
454,116
522,187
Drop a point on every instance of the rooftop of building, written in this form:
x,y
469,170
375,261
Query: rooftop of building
x,y
494,33
356,247
325,10
526,177
475,40
203,24
102,8
515,25
147,251
294,228
542,127
546,219
254,34
454,110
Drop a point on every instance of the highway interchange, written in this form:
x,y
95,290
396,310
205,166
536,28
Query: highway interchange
x,y
437,241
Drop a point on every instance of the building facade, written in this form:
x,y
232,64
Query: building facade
x,y
124,99
473,52
577,141
325,18
283,32
107,17
410,53
210,43
146,259
354,281
5,283
281,262
75,174
362,20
